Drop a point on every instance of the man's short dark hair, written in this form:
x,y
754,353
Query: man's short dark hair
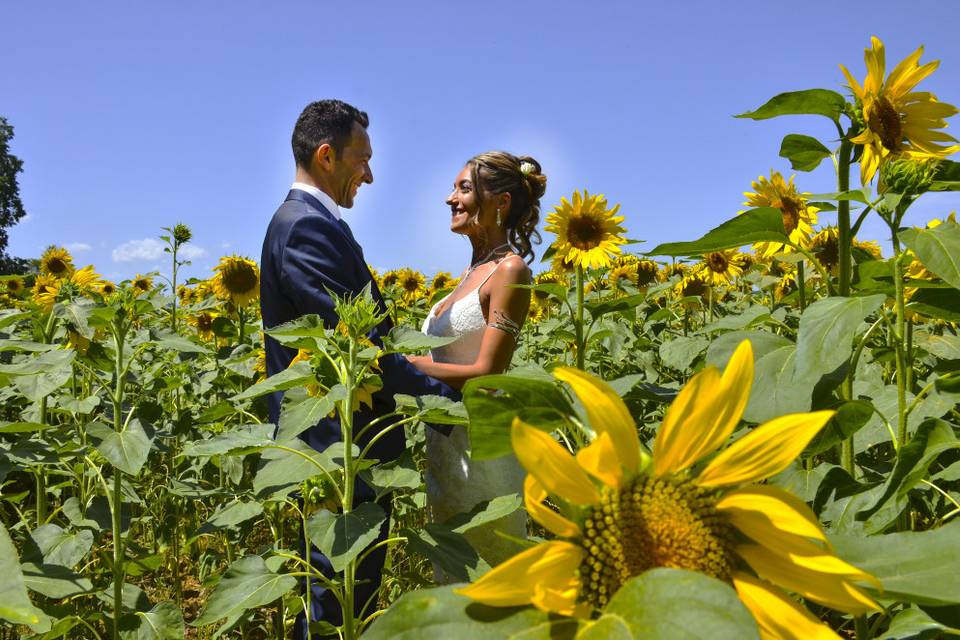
x,y
324,122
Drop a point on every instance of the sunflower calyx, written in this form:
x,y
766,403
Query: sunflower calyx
x,y
907,176
182,234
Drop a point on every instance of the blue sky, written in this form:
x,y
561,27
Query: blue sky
x,y
130,116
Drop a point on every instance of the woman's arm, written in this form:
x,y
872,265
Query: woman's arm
x,y
507,305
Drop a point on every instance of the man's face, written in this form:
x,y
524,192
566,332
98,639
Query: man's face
x,y
352,167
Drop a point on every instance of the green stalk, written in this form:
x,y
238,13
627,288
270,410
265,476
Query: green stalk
x,y
843,216
578,321
240,318
346,428
173,316
801,286
41,475
117,502
898,338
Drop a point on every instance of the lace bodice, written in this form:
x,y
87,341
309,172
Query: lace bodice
x,y
462,320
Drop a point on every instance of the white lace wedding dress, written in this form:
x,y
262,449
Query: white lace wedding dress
x,y
456,483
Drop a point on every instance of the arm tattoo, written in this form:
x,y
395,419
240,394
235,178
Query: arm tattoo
x,y
502,322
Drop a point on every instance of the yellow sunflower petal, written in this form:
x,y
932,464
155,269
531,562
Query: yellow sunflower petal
x,y
764,452
778,617
524,577
705,431
551,464
600,459
672,437
829,589
607,413
533,496
766,513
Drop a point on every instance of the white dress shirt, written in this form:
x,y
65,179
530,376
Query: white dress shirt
x,y
324,199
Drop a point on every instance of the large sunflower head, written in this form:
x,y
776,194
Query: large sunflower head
x,y
57,262
722,267
411,283
620,511
142,285
203,321
588,233
442,280
46,288
237,280
798,216
13,286
696,284
390,278
898,121
185,294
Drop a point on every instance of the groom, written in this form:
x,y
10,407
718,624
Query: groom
x,y
307,251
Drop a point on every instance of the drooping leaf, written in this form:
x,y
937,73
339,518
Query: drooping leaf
x,y
821,102
15,605
429,614
247,584
281,469
162,622
913,566
484,512
493,402
296,375
54,581
915,624
936,303
448,550
342,537
432,409
230,515
242,437
804,152
297,418
56,546
763,224
827,329
938,248
126,450
408,340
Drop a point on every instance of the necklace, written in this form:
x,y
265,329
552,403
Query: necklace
x,y
484,259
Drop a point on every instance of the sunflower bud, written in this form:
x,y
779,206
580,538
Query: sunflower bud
x,y
908,177
182,233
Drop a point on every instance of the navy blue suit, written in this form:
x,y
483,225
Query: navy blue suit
x,y
306,252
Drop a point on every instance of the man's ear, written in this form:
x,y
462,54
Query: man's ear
x,y
323,157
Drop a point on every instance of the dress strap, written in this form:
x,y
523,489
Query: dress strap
x,y
492,271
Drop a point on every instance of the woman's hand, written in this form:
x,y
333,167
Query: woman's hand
x,y
416,360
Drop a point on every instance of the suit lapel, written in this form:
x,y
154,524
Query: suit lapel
x,y
313,203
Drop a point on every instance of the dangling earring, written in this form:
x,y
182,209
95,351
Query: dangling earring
x,y
499,221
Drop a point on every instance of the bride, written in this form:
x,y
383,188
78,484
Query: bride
x,y
495,203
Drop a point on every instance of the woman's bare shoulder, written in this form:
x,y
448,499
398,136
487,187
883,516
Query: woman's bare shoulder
x,y
513,270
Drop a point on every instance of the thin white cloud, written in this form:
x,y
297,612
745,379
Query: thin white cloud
x,y
224,245
27,217
151,249
78,247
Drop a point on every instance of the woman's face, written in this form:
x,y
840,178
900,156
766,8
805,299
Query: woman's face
x,y
464,203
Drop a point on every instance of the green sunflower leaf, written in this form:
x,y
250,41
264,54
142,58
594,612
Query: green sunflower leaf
x,y
821,102
804,152
763,224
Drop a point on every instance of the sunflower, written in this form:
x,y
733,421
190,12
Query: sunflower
x,y
671,270
237,280
390,278
107,288
185,294
786,285
443,280
203,321
898,121
411,283
142,284
56,261
77,342
85,279
695,284
363,392
798,216
13,286
623,272
722,267
869,247
561,267
539,311
588,234
45,290
936,222
260,365
623,512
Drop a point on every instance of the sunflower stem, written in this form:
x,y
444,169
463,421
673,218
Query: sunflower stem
x,y
843,216
801,286
578,321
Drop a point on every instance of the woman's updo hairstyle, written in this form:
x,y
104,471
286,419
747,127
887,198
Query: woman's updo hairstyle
x,y
496,172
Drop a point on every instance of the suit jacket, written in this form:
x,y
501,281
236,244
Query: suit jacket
x,y
305,252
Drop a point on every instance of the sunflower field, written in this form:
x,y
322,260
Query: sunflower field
x,y
750,434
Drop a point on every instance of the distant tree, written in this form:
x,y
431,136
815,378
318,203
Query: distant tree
x,y
11,208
